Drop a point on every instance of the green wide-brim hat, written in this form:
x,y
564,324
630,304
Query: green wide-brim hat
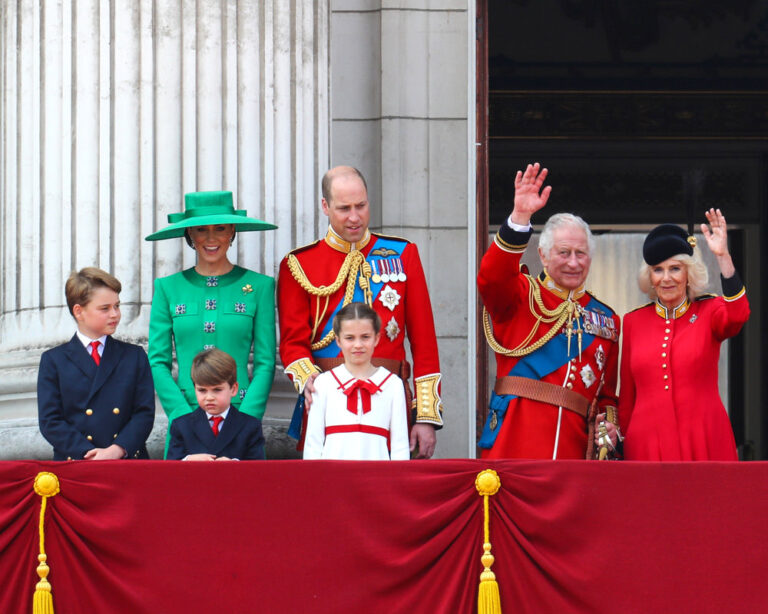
x,y
204,208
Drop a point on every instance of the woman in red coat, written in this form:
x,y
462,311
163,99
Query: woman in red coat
x,y
669,403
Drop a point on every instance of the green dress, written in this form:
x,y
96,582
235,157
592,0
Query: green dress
x,y
232,312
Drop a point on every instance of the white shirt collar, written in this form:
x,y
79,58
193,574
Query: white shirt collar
x,y
222,415
86,341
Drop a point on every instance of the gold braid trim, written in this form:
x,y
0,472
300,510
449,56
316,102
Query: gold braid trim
x,y
353,264
565,312
427,401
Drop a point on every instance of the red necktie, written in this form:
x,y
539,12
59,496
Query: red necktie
x,y
95,351
216,421
366,388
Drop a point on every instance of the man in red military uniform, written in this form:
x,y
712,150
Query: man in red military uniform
x,y
352,264
556,345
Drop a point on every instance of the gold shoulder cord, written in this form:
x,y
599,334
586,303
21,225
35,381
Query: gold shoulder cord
x,y
353,264
565,312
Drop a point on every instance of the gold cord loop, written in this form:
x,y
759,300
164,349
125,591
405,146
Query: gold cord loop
x,y
563,314
353,265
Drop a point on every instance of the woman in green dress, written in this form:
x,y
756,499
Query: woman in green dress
x,y
213,304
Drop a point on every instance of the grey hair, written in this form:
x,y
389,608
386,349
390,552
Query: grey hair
x,y
560,220
698,276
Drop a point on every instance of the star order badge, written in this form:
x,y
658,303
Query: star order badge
x,y
587,376
393,329
600,357
389,297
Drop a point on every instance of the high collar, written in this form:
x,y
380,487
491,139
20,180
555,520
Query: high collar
x,y
672,314
340,245
555,289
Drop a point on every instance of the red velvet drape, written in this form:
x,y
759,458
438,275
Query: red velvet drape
x,y
324,536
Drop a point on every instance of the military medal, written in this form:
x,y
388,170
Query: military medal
x,y
375,278
389,298
384,264
400,273
587,376
600,357
392,329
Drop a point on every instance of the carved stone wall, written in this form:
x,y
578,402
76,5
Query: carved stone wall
x,y
110,112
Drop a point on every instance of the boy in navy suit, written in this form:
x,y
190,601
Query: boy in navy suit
x,y
216,430
95,396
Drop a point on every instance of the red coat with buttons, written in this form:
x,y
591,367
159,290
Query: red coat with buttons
x,y
670,407
532,429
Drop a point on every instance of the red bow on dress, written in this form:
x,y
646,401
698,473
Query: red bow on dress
x,y
366,388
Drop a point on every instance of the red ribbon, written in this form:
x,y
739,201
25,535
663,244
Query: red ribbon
x,y
366,388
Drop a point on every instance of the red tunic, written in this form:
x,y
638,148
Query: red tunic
x,y
533,429
669,406
402,302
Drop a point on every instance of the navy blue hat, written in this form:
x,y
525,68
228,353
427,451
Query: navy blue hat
x,y
666,241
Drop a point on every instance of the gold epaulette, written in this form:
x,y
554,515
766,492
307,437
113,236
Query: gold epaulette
x,y
427,401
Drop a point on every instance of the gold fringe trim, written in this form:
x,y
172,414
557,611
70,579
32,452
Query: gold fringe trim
x,y
46,485
487,484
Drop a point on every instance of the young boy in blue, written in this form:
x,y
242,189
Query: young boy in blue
x,y
95,397
216,430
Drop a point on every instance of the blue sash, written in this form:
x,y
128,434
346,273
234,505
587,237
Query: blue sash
x,y
536,365
333,350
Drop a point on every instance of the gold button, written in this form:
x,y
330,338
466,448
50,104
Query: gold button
x,y
88,412
573,360
116,410
569,385
89,438
666,376
572,376
425,411
114,436
666,387
69,458
667,321
666,338
667,330
663,345
663,354
664,366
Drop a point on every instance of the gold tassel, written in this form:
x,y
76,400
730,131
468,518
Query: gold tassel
x,y
46,485
488,598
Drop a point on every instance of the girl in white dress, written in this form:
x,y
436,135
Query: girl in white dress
x,y
358,410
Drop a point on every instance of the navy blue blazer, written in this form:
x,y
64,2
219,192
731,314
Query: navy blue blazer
x,y
82,406
240,436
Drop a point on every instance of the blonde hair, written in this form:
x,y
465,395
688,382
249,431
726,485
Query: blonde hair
x,y
698,276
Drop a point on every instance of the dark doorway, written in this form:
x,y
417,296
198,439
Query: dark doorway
x,y
645,111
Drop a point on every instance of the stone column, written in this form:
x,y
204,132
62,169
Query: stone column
x,y
110,112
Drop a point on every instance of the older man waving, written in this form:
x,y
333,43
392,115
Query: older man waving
x,y
556,345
